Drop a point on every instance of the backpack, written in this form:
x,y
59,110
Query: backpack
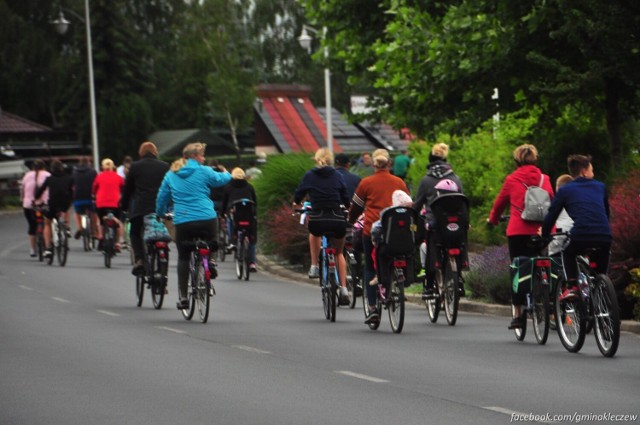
x,y
155,230
536,202
401,230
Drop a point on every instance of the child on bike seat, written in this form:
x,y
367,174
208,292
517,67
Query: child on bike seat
x,y
585,200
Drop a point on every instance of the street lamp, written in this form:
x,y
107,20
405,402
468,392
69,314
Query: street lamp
x,y
305,42
62,25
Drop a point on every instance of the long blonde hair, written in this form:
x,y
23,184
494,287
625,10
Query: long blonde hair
x,y
178,164
323,157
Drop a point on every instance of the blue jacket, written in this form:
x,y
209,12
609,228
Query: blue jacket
x,y
189,189
351,180
585,200
326,189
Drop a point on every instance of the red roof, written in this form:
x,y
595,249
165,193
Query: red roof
x,y
10,123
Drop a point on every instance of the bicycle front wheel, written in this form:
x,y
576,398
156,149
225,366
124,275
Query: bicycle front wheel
x,y
451,294
606,315
540,312
396,301
570,321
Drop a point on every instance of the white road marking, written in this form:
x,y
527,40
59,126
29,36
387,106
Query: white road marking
x,y
361,376
177,331
62,300
25,287
251,349
108,313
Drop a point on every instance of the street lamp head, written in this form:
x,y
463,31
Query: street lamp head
x,y
61,24
305,40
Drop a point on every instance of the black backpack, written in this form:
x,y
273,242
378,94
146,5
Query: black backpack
x,y
402,229
451,213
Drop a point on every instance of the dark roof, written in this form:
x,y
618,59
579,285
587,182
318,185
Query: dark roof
x,y
10,123
171,142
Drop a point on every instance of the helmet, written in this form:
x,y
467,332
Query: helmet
x,y
447,185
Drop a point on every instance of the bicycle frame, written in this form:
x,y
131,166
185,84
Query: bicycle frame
x,y
329,279
242,250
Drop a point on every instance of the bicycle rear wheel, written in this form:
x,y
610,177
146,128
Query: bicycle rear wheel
x,y
108,245
239,259
435,304
570,321
540,312
396,301
333,295
160,261
202,297
324,287
188,313
139,289
63,245
352,277
606,315
451,294
245,258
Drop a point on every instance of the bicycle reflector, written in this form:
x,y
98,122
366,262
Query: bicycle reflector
x,y
160,244
243,223
593,265
399,263
454,251
203,251
452,218
543,263
401,223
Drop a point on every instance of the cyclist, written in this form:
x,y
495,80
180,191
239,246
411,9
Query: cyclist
x,y
139,196
239,188
437,170
28,188
60,185
327,192
188,185
83,176
585,200
519,231
107,188
373,194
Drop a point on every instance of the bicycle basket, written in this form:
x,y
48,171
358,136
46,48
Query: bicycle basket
x,y
400,230
155,230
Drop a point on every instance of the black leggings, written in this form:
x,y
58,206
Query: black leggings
x,y
206,230
600,256
30,215
519,246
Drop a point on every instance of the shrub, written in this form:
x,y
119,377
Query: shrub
x,y
632,292
285,236
489,276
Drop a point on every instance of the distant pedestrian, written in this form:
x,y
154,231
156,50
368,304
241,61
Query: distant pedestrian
x,y
363,167
401,164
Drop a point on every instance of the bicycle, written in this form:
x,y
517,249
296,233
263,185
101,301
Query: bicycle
x,y
60,239
450,241
243,222
156,262
39,213
394,257
537,293
88,242
200,288
109,226
595,305
354,268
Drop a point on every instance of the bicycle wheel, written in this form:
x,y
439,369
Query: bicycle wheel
x,y
139,289
570,321
434,305
223,241
187,313
396,301
540,312
107,246
606,315
352,278
245,257
159,260
202,297
239,259
63,245
333,294
451,294
324,287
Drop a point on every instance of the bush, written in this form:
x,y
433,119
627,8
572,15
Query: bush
x,y
285,236
489,276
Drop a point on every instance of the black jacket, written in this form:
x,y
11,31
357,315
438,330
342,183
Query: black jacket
x,y
60,187
236,190
83,178
142,184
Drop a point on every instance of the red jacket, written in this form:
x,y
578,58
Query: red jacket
x,y
512,192
107,188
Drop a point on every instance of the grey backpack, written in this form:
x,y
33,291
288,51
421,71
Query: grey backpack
x,y
536,202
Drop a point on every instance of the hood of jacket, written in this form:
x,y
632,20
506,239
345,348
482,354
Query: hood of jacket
x,y
439,169
188,169
323,171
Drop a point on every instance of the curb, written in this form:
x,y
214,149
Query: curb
x,y
276,269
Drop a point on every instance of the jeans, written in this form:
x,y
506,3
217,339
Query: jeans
x,y
369,271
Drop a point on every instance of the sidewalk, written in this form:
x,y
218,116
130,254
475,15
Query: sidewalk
x,y
270,265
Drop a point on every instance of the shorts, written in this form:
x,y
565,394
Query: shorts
x,y
53,210
104,211
327,222
83,206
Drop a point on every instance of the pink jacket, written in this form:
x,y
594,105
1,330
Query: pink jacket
x,y
512,192
28,188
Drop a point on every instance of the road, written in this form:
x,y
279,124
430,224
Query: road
x,y
74,349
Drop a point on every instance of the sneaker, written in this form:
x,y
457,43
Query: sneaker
x,y
516,323
344,296
314,272
253,268
77,234
182,304
48,253
421,274
373,316
230,248
68,232
138,268
569,293
32,254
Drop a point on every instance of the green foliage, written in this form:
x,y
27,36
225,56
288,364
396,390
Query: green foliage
x,y
281,176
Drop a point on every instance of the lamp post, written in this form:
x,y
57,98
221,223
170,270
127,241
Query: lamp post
x,y
305,42
62,25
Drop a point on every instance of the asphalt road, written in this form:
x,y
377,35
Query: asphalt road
x,y
74,349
